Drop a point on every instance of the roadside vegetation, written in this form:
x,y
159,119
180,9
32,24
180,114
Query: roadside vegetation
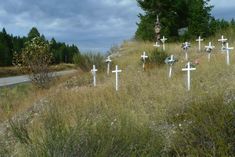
x,y
151,115
14,71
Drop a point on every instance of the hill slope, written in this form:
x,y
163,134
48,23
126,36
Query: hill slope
x,y
151,115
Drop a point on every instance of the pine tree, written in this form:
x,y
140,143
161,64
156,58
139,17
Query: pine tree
x,y
194,14
33,33
199,17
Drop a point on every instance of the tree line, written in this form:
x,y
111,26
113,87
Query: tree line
x,y
9,44
194,15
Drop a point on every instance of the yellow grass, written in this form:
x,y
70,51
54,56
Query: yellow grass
x,y
145,99
14,71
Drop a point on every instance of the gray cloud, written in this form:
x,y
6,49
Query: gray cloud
x,y
223,9
91,24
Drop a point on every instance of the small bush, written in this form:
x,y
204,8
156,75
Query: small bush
x,y
157,57
35,59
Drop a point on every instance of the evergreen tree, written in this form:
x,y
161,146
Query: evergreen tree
x,y
199,18
194,14
33,33
10,44
6,48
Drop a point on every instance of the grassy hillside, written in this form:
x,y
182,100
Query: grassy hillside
x,y
151,115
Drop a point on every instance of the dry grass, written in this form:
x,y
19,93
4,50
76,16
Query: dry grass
x,y
144,117
14,71
19,98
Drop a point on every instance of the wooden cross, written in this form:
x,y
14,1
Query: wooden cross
x,y
228,53
108,61
185,47
209,49
163,40
116,71
144,57
93,71
222,40
188,68
199,40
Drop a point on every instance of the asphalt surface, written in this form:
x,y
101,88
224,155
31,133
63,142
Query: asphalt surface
x,y
9,81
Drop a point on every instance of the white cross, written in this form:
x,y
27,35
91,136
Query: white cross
x,y
199,40
209,49
222,40
157,45
228,52
144,57
188,69
163,40
116,71
108,61
171,61
93,71
186,46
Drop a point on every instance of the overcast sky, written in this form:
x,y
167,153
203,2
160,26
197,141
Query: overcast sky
x,y
93,25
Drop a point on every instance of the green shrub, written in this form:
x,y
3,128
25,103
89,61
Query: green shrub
x,y
35,59
157,57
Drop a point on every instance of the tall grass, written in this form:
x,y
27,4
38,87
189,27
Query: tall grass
x,y
11,98
151,115
87,60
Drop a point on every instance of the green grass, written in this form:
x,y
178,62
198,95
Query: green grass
x,y
151,115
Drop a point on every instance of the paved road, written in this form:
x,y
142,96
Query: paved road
x,y
8,81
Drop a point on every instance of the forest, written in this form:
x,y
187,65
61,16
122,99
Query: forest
x,y
10,44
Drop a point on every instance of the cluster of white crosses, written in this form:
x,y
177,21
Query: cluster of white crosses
x,y
116,71
210,47
171,60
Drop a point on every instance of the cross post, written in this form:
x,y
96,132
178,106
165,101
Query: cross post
x,y
93,71
188,69
156,45
209,49
199,40
222,40
116,71
171,61
185,47
144,57
108,61
228,53
163,40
